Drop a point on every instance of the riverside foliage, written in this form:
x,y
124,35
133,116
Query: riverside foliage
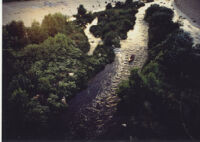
x,y
45,65
162,101
113,25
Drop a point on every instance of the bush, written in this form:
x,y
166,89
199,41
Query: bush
x,y
53,24
109,6
178,49
116,20
150,0
14,35
96,30
167,88
118,5
81,10
128,2
159,18
82,17
156,14
36,34
112,39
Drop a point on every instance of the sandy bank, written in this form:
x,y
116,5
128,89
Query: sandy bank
x,y
28,11
191,8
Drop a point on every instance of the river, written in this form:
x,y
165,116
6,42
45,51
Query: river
x,y
91,111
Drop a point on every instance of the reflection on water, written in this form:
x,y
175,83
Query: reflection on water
x,y
91,111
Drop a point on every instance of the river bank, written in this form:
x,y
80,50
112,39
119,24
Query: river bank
x,y
28,11
191,9
92,109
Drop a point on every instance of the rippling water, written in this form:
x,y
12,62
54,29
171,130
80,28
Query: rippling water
x,y
92,110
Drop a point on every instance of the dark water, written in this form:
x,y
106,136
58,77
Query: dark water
x,y
91,112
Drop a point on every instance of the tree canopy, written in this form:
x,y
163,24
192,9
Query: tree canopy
x,y
166,90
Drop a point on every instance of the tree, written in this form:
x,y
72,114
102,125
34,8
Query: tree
x,y
118,4
128,2
37,113
178,52
55,104
14,35
53,24
155,14
81,10
109,6
19,99
112,39
82,17
36,34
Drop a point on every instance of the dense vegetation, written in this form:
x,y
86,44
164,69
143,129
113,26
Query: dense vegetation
x,y
113,25
162,100
43,66
83,17
46,64
116,21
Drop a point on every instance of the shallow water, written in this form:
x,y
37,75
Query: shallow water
x,y
91,39
91,111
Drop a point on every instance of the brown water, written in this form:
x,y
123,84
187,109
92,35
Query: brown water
x,y
91,111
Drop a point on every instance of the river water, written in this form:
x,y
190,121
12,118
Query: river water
x,y
91,38
91,111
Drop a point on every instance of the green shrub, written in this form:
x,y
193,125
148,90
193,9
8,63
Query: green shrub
x,y
53,24
14,35
166,90
109,6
